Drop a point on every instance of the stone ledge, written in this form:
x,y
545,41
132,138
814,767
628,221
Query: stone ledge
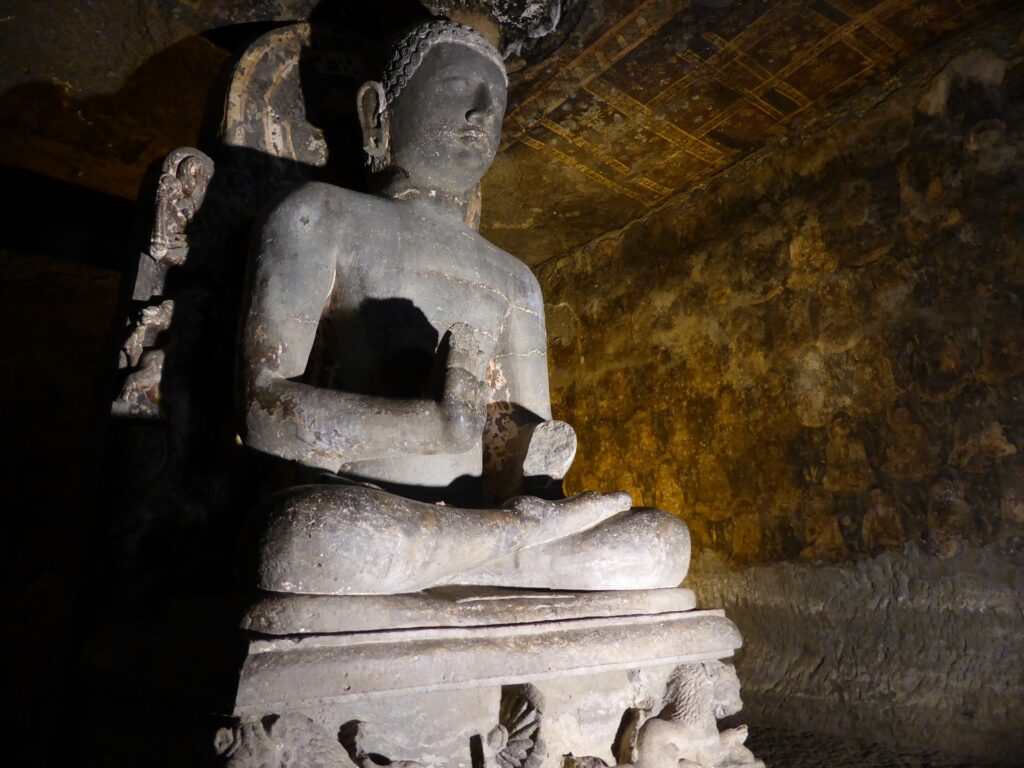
x,y
277,614
327,668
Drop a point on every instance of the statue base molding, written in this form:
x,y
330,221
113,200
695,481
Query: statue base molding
x,y
460,606
513,678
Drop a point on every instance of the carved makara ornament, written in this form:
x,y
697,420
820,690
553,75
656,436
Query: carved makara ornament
x,y
180,191
184,179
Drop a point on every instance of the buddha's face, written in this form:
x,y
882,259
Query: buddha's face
x,y
445,124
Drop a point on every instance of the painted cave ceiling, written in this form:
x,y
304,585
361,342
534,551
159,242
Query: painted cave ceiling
x,y
615,106
661,94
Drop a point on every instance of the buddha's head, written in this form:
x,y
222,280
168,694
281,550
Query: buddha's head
x,y
435,117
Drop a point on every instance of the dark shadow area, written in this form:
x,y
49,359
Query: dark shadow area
x,y
465,491
107,141
388,349
155,645
57,308
46,217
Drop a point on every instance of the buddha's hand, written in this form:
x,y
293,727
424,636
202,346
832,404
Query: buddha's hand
x,y
464,401
551,450
565,517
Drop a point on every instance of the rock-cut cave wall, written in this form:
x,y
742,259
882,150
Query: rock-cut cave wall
x,y
817,359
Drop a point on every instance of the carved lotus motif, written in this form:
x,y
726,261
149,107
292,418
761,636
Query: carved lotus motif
x,y
514,740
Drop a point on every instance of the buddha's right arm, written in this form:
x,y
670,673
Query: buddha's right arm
x,y
327,428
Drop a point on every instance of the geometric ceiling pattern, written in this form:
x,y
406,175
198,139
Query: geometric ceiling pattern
x,y
643,100
661,94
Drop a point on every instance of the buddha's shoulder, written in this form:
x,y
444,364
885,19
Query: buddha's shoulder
x,y
524,289
319,199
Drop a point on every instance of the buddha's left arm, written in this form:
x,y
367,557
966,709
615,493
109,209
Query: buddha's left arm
x,y
522,359
521,441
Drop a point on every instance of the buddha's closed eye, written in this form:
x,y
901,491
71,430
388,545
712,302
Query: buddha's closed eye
x,y
456,84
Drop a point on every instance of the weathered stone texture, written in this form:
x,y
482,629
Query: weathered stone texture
x,y
819,354
903,648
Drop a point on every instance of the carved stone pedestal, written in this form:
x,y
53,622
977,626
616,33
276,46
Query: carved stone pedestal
x,y
472,677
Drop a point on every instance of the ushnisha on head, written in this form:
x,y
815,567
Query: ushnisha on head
x,y
435,117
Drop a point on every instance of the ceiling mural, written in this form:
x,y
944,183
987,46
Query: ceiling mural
x,y
660,94
614,107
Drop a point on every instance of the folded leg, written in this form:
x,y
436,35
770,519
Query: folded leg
x,y
340,539
637,549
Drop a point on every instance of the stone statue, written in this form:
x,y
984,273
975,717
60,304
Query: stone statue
x,y
684,734
431,599
389,343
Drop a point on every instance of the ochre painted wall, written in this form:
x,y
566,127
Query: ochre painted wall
x,y
819,355
817,360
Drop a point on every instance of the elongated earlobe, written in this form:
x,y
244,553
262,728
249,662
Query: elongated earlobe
x,y
371,106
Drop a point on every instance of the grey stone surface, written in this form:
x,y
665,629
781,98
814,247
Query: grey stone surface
x,y
430,728
293,670
577,710
286,741
552,449
388,342
903,649
276,614
346,539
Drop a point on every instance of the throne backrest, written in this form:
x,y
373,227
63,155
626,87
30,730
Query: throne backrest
x,y
289,116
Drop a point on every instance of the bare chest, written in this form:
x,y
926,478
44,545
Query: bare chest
x,y
396,293
425,275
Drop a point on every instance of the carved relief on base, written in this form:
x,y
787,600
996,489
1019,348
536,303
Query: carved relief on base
x,y
293,740
280,741
684,734
515,741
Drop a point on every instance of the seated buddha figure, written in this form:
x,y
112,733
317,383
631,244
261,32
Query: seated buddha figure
x,y
390,344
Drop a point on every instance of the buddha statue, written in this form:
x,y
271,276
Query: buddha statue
x,y
387,343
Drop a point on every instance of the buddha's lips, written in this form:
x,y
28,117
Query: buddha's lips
x,y
475,135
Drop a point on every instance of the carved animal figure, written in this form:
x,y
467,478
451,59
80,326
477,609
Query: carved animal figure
x,y
285,741
685,733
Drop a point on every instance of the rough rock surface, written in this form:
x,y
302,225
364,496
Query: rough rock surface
x,y
802,749
903,648
817,358
820,354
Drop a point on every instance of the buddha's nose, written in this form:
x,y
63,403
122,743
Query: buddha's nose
x,y
481,107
